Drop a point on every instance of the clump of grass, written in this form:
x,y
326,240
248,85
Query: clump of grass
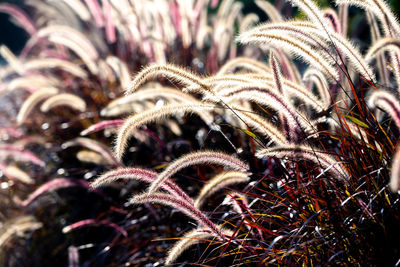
x,y
309,162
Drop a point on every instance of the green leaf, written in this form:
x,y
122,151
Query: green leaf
x,y
161,166
248,133
245,131
357,121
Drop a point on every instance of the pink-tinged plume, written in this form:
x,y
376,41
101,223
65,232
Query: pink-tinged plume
x,y
93,222
22,19
96,12
102,125
54,185
19,154
110,28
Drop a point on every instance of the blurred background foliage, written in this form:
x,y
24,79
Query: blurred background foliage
x,y
14,37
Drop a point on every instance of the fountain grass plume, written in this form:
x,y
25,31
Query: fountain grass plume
x,y
95,10
94,158
229,84
276,74
273,100
19,154
248,21
381,10
217,183
11,131
176,74
52,185
121,70
261,125
69,100
79,8
152,115
187,240
21,17
92,145
248,64
321,84
14,173
192,238
93,222
195,158
395,171
11,59
278,84
313,12
81,51
71,34
111,34
17,226
101,126
317,38
51,63
141,175
389,23
382,45
117,106
32,101
376,36
295,46
326,162
333,19
181,205
270,10
34,80
387,102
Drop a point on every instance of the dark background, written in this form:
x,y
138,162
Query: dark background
x,y
10,35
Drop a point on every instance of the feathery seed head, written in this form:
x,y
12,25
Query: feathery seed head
x,y
195,158
303,152
172,72
154,114
218,182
